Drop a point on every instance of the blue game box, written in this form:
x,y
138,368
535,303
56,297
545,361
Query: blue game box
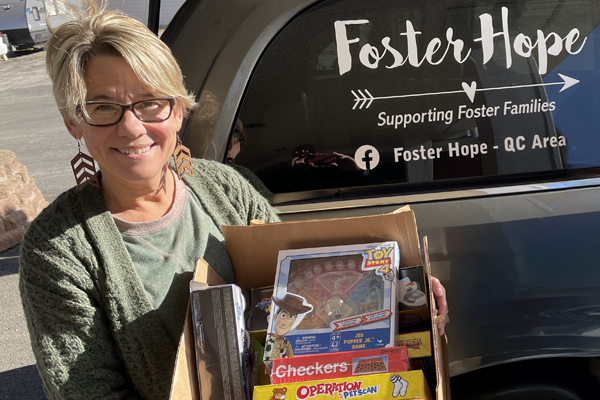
x,y
332,299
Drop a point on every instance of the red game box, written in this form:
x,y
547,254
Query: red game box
x,y
339,365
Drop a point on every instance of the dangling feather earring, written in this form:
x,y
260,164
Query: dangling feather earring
x,y
183,160
84,169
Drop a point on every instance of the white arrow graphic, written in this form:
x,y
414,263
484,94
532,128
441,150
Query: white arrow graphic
x,y
364,100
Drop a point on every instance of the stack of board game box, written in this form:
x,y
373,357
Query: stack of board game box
x,y
334,324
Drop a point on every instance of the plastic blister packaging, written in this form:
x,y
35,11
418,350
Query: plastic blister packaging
x,y
222,343
333,299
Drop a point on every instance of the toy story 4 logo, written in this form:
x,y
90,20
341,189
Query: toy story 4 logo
x,y
380,260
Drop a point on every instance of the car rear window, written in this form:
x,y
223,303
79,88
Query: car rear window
x,y
392,94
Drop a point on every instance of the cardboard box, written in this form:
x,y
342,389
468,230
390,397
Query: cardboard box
x,y
254,250
339,365
406,385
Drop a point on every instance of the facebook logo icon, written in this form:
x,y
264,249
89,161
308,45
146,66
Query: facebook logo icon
x,y
366,157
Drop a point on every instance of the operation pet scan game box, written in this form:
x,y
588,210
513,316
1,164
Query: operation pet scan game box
x,y
254,252
406,385
333,299
339,365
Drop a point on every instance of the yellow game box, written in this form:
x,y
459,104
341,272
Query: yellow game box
x,y
418,345
401,385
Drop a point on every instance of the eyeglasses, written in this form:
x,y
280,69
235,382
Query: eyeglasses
x,y
104,113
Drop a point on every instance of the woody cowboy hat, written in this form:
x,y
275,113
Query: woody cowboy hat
x,y
292,303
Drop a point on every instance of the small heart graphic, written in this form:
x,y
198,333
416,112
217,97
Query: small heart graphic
x,y
470,90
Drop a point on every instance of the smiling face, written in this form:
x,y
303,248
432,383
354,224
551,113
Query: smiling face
x,y
130,152
284,322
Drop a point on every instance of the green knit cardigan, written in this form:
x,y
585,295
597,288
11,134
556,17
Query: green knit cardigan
x,y
93,330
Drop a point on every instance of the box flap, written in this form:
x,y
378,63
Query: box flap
x,y
185,377
440,350
253,249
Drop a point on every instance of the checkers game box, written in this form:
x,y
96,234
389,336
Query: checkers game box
x,y
339,365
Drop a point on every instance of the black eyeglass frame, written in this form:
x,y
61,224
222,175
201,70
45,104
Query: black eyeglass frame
x,y
125,107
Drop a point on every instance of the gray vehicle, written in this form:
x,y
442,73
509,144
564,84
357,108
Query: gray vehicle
x,y
483,116
24,23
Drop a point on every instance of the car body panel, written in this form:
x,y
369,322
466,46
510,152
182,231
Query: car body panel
x,y
518,258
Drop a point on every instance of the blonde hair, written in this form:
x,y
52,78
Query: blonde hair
x,y
94,31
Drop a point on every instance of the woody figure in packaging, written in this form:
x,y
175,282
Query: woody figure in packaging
x,y
289,308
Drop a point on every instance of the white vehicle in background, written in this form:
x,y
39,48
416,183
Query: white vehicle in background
x,y
3,49
24,24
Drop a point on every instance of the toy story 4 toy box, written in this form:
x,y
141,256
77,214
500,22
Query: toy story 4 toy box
x,y
254,252
333,299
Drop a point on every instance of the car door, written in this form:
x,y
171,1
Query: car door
x,y
483,116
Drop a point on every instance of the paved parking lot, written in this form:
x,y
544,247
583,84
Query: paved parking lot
x,y
30,126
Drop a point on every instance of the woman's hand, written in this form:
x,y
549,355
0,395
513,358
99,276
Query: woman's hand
x,y
442,305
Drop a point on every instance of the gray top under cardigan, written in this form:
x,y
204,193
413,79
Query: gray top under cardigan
x,y
164,253
92,326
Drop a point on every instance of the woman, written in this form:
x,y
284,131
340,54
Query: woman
x,y
105,270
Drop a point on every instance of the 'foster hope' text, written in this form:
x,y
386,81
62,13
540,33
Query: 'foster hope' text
x,y
370,56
